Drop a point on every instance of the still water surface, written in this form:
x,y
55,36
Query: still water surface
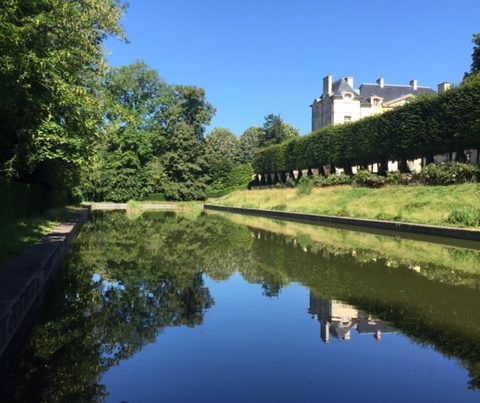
x,y
223,308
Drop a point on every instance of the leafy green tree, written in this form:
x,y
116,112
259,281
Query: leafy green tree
x,y
275,131
184,118
154,141
51,67
221,143
248,143
475,66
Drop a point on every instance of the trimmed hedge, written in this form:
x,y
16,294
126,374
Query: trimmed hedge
x,y
430,125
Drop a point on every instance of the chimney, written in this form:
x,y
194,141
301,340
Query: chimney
x,y
381,82
327,85
414,84
349,81
443,87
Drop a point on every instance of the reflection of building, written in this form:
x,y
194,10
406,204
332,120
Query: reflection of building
x,y
338,319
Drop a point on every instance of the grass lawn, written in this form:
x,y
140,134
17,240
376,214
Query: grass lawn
x,y
456,205
17,234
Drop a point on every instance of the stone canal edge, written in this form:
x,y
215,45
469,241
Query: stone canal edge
x,y
386,227
24,280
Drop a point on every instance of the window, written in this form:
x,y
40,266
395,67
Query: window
x,y
347,119
376,102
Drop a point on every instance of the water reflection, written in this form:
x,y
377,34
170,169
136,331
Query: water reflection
x,y
126,281
338,319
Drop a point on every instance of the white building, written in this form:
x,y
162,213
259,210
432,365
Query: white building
x,y
341,103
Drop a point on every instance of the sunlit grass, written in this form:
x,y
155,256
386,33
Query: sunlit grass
x,y
438,205
17,234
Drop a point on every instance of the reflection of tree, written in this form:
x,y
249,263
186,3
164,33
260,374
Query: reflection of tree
x,y
128,280
124,282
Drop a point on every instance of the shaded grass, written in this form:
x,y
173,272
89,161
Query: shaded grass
x,y
436,205
17,234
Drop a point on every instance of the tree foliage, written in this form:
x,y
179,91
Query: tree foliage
x,y
275,131
221,143
154,141
51,65
248,143
475,66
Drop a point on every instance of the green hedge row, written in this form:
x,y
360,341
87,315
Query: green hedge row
x,y
430,125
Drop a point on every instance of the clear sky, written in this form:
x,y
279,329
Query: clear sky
x,y
255,57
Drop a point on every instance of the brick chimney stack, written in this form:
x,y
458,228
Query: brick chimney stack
x,y
414,84
381,82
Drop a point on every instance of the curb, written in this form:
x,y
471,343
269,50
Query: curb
x,y
124,206
23,282
418,229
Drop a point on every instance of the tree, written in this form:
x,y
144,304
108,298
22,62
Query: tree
x,y
51,67
248,143
154,141
184,118
475,66
221,143
275,131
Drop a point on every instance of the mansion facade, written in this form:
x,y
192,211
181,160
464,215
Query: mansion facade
x,y
341,103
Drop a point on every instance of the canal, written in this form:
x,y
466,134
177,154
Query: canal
x,y
216,307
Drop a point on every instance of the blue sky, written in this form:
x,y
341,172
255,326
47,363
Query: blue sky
x,y
255,57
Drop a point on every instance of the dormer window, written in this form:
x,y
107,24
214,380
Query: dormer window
x,y
347,96
376,101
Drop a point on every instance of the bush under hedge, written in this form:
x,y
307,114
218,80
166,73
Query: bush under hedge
x,y
450,173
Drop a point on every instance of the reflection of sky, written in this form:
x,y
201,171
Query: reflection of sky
x,y
254,348
96,278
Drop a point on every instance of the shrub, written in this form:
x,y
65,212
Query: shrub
x,y
331,180
449,173
368,179
290,183
398,178
465,216
305,186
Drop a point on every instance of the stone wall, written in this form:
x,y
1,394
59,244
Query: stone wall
x,y
24,280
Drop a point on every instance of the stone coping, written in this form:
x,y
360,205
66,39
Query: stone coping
x,y
23,280
431,232
123,206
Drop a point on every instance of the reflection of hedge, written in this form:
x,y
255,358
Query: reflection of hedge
x,y
430,125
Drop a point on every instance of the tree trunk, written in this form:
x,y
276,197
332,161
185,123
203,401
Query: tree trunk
x,y
383,167
403,166
461,157
347,168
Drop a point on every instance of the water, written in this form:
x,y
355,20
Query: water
x,y
216,307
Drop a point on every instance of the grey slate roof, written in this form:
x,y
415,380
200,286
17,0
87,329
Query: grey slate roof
x,y
391,92
340,86
388,92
